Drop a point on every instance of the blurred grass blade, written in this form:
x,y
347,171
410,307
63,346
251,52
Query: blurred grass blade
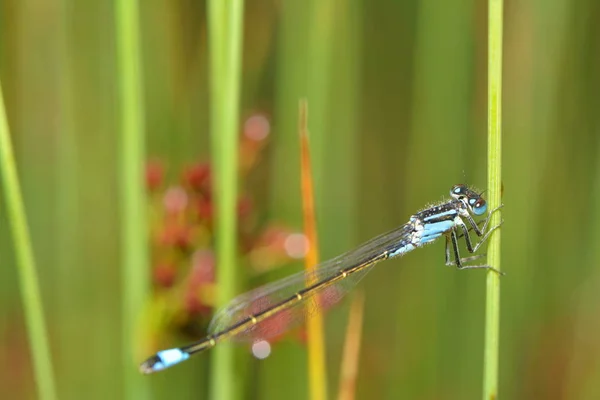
x,y
349,370
322,23
317,373
134,268
492,312
30,293
225,27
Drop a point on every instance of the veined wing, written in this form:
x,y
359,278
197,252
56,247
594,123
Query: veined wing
x,y
320,289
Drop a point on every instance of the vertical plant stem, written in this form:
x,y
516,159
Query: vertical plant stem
x,y
320,47
67,187
133,198
316,341
492,312
30,292
225,23
351,355
322,22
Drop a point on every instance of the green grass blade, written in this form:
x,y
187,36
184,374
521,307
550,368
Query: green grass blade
x,y
225,23
492,312
133,198
30,293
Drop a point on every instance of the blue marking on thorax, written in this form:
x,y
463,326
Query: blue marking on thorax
x,y
170,357
437,227
434,230
442,214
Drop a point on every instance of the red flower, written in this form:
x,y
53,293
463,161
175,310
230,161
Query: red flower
x,y
175,235
197,177
154,175
175,200
205,209
201,275
164,274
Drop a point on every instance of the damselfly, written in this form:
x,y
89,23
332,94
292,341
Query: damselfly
x,y
266,312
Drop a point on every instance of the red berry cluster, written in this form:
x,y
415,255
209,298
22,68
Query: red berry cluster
x,y
182,228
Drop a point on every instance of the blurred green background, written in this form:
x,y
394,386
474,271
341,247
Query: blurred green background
x,y
397,113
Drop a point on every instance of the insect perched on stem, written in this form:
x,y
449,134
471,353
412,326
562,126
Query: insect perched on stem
x,y
259,313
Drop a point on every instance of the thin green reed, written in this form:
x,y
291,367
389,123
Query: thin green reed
x,y
133,197
492,312
290,85
225,23
322,23
67,180
30,293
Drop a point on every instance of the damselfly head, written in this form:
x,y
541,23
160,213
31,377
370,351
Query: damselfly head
x,y
471,199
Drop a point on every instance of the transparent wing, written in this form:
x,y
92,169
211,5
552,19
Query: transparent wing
x,y
265,297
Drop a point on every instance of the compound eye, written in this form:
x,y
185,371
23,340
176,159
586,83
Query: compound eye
x,y
479,206
458,191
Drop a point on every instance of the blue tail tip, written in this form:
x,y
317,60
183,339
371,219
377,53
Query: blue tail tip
x,y
163,359
151,365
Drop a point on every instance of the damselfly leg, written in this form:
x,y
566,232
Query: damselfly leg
x,y
452,238
481,230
